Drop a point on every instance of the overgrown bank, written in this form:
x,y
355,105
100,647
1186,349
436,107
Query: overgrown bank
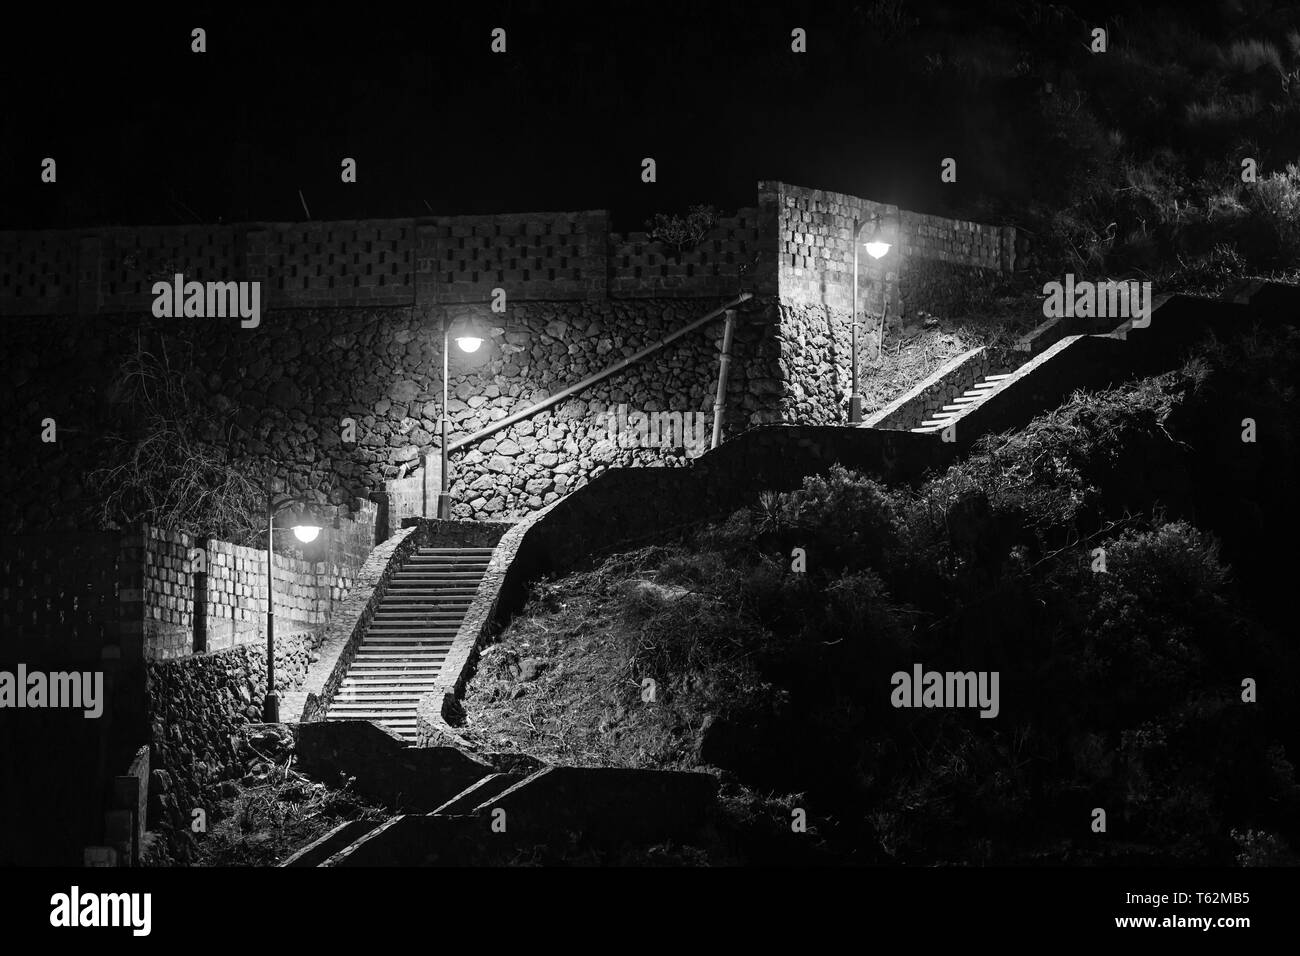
x,y
1121,689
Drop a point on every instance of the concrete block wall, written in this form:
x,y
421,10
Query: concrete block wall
x,y
555,256
736,256
39,270
131,260
936,265
306,592
58,596
815,245
559,256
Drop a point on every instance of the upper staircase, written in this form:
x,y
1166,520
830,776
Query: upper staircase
x,y
976,395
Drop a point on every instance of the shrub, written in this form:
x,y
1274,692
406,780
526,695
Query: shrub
x,y
1247,56
1276,200
683,232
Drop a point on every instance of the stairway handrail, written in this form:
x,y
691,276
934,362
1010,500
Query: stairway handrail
x,y
591,380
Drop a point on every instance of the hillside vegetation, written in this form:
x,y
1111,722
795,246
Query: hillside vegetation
x,y
1119,689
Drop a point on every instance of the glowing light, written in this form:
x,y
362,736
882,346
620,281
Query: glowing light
x,y
306,533
877,249
469,343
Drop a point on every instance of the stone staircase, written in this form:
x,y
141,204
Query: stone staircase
x,y
979,393
403,650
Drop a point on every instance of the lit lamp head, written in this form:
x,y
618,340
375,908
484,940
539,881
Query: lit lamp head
x,y
299,519
466,332
306,533
878,243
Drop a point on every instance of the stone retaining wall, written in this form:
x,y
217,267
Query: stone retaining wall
x,y
197,704
338,389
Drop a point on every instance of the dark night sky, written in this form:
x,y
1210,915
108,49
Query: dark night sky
x,y
144,131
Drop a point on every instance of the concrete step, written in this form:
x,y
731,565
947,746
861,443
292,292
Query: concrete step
x,y
416,653
428,635
398,605
402,702
479,792
433,609
396,708
405,680
420,618
342,836
447,587
408,643
453,552
398,660
452,558
412,588
388,689
414,626
456,605
436,575
401,654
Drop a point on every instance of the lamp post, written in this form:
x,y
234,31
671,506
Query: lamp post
x,y
876,247
468,340
306,533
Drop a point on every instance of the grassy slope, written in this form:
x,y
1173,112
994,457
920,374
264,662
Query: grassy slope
x,y
773,680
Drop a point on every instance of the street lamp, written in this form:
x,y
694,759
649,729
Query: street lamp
x,y
306,533
468,338
877,245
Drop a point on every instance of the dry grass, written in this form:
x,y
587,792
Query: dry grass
x,y
265,818
917,353
1247,56
579,708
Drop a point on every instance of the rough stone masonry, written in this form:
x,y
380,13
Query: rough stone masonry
x,y
351,333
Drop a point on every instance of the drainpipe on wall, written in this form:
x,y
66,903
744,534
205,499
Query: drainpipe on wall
x,y
724,365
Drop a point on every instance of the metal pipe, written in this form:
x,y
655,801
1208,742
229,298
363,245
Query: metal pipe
x,y
444,497
724,365
855,406
271,702
598,376
884,314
